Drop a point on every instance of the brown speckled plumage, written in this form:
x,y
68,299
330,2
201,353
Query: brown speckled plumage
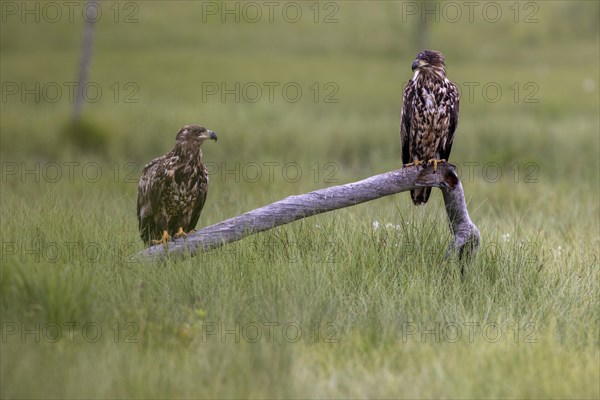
x,y
429,115
172,189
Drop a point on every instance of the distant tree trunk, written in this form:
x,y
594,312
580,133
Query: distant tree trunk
x,y
86,55
466,234
427,11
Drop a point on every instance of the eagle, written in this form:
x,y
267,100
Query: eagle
x,y
172,189
429,116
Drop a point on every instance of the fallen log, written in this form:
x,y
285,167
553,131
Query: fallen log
x,y
464,244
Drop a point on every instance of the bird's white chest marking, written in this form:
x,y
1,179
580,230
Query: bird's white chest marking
x,y
429,99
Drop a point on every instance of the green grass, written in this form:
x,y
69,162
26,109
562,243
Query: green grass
x,y
380,311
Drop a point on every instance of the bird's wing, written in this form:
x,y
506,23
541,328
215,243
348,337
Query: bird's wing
x,y
405,117
149,191
200,200
452,110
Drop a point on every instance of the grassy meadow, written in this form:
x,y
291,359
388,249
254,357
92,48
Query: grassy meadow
x,y
355,303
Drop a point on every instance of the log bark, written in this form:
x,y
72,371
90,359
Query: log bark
x,y
466,234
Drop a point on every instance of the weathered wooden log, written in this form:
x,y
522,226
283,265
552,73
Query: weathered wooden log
x,y
466,234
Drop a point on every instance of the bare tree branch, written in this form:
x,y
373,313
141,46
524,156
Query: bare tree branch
x,y
466,234
84,63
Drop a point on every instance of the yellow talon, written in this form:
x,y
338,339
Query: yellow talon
x,y
164,240
435,163
180,233
417,162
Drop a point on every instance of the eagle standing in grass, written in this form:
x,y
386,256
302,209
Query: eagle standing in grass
x,y
173,188
429,116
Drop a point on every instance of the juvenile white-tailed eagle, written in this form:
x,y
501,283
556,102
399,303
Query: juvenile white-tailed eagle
x,y
429,116
172,189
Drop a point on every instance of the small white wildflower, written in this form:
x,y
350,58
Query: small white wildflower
x,y
375,225
389,225
559,250
506,237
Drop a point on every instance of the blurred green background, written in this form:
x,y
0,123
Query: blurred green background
x,y
171,52
527,146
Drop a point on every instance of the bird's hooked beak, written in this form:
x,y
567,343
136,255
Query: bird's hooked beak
x,y
417,64
211,135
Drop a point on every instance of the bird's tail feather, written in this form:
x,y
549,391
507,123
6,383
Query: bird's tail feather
x,y
420,196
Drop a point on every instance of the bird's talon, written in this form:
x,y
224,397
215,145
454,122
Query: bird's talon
x,y
435,163
180,233
164,240
415,163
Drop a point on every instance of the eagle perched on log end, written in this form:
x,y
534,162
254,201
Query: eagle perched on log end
x,y
172,188
429,116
